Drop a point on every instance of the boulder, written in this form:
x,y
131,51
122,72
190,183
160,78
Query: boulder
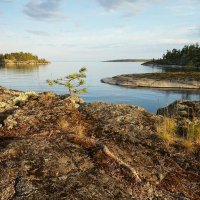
x,y
181,109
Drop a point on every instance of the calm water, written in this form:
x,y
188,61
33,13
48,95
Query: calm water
x,y
33,78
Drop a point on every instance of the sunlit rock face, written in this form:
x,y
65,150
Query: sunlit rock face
x,y
172,80
58,147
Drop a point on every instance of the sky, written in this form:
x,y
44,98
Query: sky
x,y
95,30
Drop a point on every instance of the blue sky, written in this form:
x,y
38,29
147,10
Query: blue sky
x,y
93,30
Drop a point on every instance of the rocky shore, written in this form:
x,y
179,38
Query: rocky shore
x,y
176,80
58,147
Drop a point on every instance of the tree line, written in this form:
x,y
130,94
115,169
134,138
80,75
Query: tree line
x,y
189,55
21,57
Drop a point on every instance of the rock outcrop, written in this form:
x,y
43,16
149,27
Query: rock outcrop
x,y
62,148
181,109
176,80
10,101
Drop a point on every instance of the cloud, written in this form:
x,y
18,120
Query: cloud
x,y
194,28
113,4
127,8
44,10
38,32
124,39
132,7
184,7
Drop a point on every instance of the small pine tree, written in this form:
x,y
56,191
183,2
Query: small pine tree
x,y
72,82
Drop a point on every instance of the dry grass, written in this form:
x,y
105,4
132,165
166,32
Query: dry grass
x,y
79,130
192,137
77,126
63,123
188,145
193,132
169,131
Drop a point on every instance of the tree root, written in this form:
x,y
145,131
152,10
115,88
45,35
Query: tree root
x,y
105,158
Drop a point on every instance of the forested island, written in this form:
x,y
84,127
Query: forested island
x,y
188,56
128,60
21,58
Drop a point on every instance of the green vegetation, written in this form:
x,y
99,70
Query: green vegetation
x,y
72,82
128,60
188,56
21,57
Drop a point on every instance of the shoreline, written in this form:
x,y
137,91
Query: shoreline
x,y
180,81
159,65
23,63
192,90
166,65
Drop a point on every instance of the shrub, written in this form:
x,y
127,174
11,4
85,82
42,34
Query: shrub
x,y
72,81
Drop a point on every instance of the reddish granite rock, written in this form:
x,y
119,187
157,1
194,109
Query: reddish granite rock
x,y
51,149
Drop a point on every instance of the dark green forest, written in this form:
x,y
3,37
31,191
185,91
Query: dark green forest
x,y
21,57
189,55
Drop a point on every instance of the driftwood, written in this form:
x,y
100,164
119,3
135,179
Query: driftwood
x,y
104,157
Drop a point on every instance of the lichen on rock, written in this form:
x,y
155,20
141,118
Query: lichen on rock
x,y
9,101
62,148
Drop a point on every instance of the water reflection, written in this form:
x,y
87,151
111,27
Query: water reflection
x,y
176,68
184,94
34,78
169,91
22,68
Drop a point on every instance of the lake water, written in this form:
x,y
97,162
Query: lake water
x,y
34,78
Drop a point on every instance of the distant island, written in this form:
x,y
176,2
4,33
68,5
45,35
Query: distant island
x,y
128,60
188,56
21,58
